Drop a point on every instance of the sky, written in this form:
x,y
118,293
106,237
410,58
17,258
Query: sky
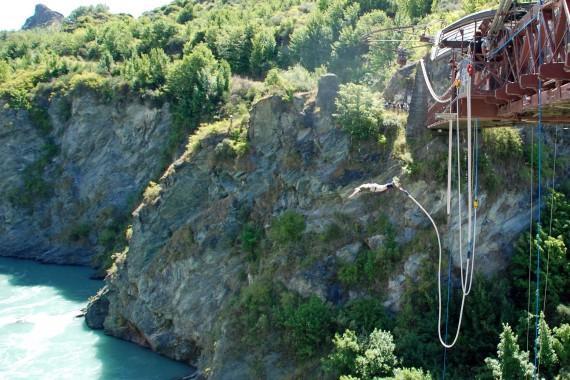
x,y
13,13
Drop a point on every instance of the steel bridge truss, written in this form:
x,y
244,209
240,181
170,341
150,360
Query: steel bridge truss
x,y
509,65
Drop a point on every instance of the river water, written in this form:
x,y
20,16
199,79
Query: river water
x,y
41,338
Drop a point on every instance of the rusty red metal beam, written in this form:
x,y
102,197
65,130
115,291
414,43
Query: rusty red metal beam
x,y
506,82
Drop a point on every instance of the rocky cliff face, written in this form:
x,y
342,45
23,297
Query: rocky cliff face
x,y
69,189
43,17
184,265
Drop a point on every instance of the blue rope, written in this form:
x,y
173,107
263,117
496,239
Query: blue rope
x,y
538,218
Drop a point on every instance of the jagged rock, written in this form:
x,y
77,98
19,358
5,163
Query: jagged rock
x,y
400,87
348,252
107,156
43,17
376,241
397,283
327,91
182,271
97,310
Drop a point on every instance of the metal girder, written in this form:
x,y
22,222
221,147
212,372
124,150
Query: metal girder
x,y
506,80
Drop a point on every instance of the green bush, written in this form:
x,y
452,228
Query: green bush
x,y
503,142
348,274
363,315
87,81
250,238
366,358
288,227
263,53
417,8
147,71
255,310
311,44
157,35
234,43
5,70
307,325
358,111
354,57
197,84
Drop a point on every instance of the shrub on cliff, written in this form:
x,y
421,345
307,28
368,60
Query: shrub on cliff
x,y
503,142
197,84
147,71
358,111
307,325
288,227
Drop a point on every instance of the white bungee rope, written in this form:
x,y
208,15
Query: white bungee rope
x,y
467,276
376,188
430,88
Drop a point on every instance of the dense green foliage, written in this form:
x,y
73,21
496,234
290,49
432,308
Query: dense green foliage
x,y
288,227
368,358
358,111
512,363
209,61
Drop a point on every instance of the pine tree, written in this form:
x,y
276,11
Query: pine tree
x,y
547,356
512,363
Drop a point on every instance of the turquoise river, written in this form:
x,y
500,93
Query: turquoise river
x,y
41,337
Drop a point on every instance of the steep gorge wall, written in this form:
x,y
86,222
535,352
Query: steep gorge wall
x,y
69,189
184,267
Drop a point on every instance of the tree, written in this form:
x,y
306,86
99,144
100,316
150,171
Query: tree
x,y
5,70
263,52
363,358
512,363
157,34
358,111
117,39
147,71
417,8
311,44
546,342
197,83
562,347
307,326
235,45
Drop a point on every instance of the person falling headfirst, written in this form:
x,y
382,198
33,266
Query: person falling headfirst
x,y
375,188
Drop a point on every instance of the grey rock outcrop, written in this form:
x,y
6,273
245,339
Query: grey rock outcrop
x,y
107,153
182,270
43,17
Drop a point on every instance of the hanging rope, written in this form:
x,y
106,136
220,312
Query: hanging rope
x,y
449,154
551,215
530,238
475,205
430,88
373,187
539,200
442,341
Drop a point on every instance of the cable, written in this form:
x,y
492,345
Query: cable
x,y
449,154
430,88
551,215
476,194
